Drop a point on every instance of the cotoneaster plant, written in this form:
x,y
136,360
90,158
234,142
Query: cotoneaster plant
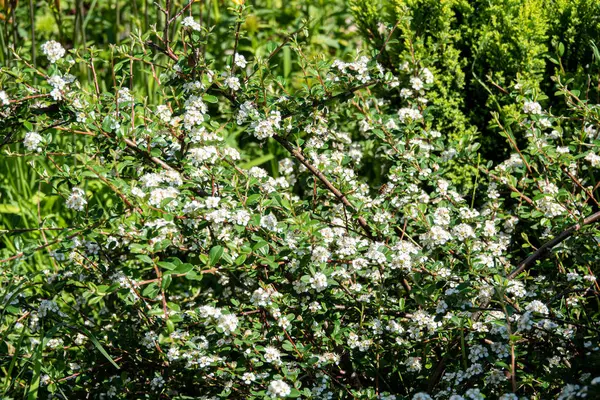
x,y
181,270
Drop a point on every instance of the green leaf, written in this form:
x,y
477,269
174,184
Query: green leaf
x,y
9,209
210,98
170,326
144,258
99,346
253,198
183,268
166,281
167,265
215,255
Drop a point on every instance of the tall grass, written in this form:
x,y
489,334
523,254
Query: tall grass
x,y
29,209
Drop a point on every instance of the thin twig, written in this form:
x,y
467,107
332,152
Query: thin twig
x,y
296,152
547,247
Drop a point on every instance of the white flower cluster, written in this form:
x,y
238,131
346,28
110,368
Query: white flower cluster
x,y
354,341
124,96
59,84
47,306
263,297
228,323
232,82
266,128
404,252
4,98
76,200
203,155
33,141
278,389
358,70
164,113
195,109
247,110
593,159
240,60
158,195
189,22
408,114
537,307
152,179
53,50
318,281
532,107
272,355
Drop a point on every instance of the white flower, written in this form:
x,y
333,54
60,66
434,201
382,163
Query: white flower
x,y
240,60
157,382
55,343
538,307
209,312
164,113
136,191
593,159
406,93
32,141
53,50
4,98
241,217
441,216
320,254
124,95
77,200
437,236
532,107
230,152
158,195
463,232
421,396
233,83
266,128
212,202
427,76
272,355
318,281
188,22
409,115
228,323
416,83
247,109
262,297
194,86
248,377
413,364
279,388
257,172
200,155
269,222
47,305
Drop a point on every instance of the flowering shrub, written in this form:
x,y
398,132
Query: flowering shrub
x,y
187,271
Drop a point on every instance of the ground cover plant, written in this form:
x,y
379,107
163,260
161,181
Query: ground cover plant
x,y
269,205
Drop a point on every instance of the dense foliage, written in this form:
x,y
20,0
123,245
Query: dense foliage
x,y
479,49
211,209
